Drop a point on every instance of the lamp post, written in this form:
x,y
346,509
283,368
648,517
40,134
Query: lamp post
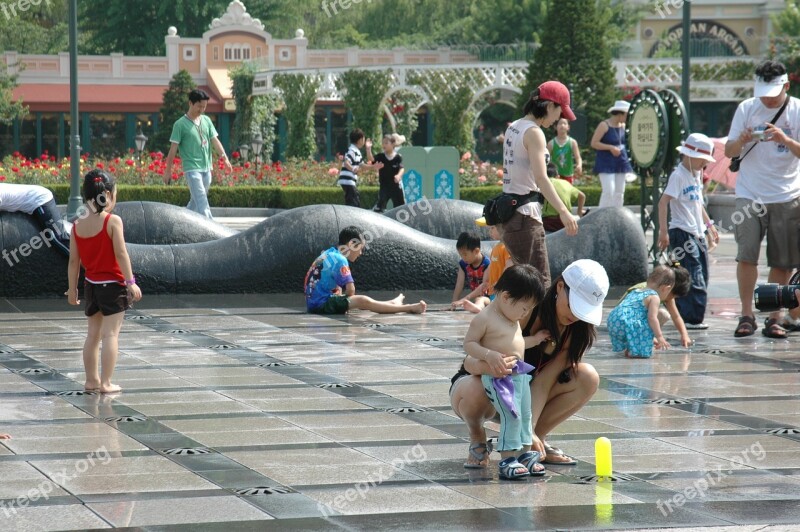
x,y
141,140
75,139
257,144
686,69
244,151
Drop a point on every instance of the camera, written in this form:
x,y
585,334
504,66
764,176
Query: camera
x,y
772,296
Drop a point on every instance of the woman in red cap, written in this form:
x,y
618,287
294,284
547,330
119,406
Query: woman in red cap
x,y
525,159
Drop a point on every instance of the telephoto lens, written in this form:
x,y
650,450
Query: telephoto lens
x,y
772,296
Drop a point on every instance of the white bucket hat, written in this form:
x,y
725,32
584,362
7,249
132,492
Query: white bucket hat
x,y
588,285
768,89
620,105
699,146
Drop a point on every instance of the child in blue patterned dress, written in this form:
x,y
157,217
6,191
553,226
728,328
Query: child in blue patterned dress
x,y
634,324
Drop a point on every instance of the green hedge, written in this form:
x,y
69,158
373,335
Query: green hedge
x,y
290,197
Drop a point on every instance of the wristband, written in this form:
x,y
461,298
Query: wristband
x,y
131,281
709,223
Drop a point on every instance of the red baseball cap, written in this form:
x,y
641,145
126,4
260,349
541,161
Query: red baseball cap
x,y
558,93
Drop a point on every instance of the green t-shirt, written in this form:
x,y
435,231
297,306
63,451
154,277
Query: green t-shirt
x,y
565,191
194,142
562,158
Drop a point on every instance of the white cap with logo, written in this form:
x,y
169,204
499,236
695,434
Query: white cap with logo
x,y
769,89
588,285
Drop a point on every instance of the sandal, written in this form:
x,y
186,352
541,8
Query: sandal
x,y
555,451
479,456
530,460
747,327
791,325
511,469
773,329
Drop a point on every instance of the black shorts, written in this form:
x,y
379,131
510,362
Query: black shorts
x,y
334,305
108,298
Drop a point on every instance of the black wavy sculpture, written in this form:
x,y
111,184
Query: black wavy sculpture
x,y
441,217
147,222
274,255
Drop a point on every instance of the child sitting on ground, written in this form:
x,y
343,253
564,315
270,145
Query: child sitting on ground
x,y
471,269
633,325
329,286
494,334
499,260
681,288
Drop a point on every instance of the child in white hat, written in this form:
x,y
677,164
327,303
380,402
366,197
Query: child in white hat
x,y
689,224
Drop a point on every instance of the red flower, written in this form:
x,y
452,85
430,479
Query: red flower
x,y
100,166
247,165
129,162
14,169
116,160
2,178
235,155
112,169
53,158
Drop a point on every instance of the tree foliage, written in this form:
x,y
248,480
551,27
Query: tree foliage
x,y
264,120
299,94
9,109
575,51
176,102
451,98
403,106
364,92
39,29
242,77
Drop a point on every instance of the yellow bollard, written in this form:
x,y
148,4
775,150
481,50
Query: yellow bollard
x,y
602,457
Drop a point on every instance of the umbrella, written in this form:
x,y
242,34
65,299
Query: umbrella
x,y
719,170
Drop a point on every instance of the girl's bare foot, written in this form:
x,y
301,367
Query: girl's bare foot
x,y
398,300
110,388
91,386
472,307
419,308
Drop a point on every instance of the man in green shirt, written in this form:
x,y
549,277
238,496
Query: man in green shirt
x,y
568,193
194,134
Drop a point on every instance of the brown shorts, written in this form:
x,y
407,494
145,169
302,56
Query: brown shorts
x,y
780,222
524,240
108,298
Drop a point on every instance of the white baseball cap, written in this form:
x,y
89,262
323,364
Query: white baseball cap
x,y
768,89
699,146
588,285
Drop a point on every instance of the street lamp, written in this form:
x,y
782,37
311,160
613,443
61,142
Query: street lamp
x,y
140,139
257,144
244,151
75,140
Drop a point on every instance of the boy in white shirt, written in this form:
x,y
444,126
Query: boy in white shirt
x,y
688,225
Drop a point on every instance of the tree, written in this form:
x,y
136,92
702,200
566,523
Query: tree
x,y
176,102
299,94
114,26
242,78
575,51
9,109
264,120
521,20
364,92
450,104
40,29
786,46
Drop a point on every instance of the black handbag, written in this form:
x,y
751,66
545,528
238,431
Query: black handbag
x,y
501,208
736,162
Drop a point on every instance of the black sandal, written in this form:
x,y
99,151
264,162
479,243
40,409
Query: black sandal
x,y
773,329
747,327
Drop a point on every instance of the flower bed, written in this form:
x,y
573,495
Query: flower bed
x,y
289,184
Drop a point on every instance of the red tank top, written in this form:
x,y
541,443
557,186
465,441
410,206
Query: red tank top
x,y
97,256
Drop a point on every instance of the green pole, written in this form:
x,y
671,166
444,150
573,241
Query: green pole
x,y
75,138
685,55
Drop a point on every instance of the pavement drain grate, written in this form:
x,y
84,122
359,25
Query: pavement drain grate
x,y
259,490
223,346
715,351
613,478
275,365
138,317
783,430
125,419
184,451
32,371
75,393
375,325
335,385
406,410
667,401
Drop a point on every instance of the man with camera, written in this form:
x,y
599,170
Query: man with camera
x,y
762,141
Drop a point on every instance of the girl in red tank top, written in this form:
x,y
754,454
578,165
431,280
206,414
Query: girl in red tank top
x,y
98,244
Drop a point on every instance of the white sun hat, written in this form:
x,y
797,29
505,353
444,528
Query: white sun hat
x,y
699,146
588,285
769,89
620,105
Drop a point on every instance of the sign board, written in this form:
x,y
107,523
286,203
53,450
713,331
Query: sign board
x,y
646,132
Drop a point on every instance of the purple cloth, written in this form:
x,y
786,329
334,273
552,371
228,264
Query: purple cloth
x,y
505,387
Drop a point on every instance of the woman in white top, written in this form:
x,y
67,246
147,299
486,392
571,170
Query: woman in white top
x,y
525,159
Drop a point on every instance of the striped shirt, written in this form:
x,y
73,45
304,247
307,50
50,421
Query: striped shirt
x,y
354,157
